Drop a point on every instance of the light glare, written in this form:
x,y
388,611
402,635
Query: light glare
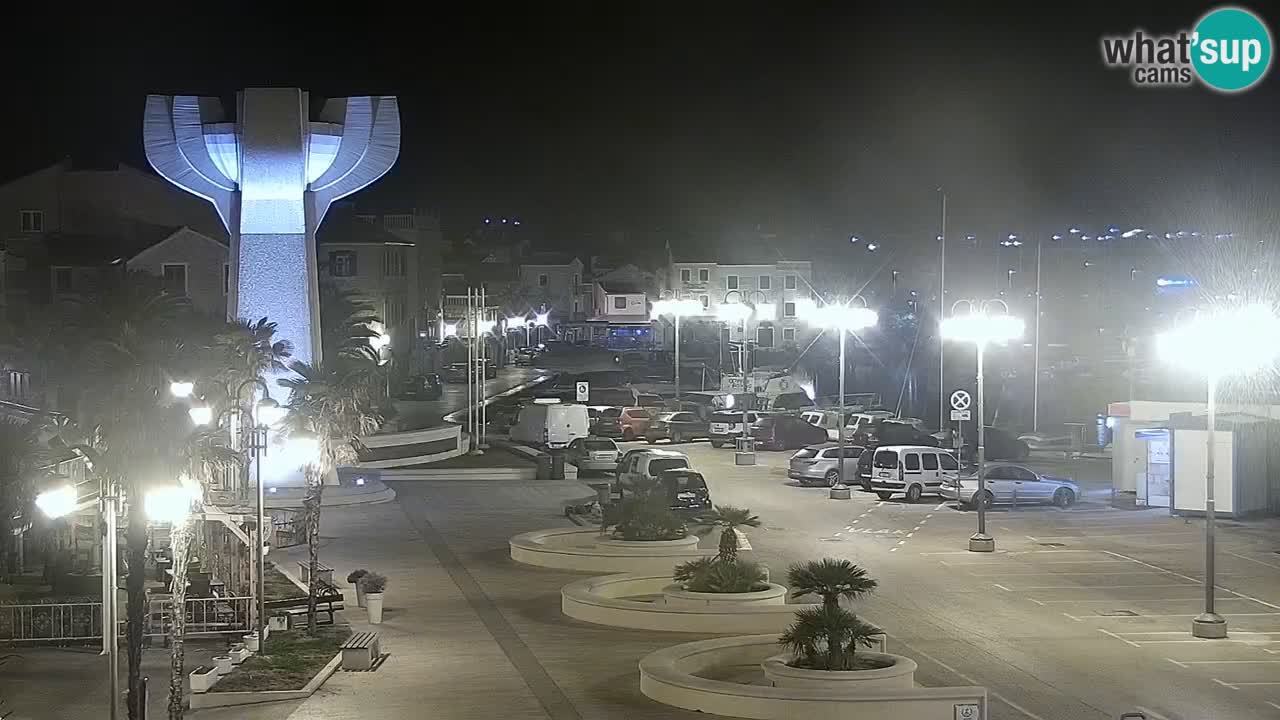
x,y
1223,342
58,502
182,389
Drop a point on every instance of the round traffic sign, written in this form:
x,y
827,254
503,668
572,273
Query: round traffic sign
x,y
960,400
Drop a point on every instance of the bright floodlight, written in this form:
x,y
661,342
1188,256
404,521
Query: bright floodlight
x,y
201,415
1224,342
677,307
380,342
484,326
731,312
170,504
728,401
982,328
516,321
303,449
269,412
541,319
805,308
842,317
807,387
182,389
57,503
451,330
766,310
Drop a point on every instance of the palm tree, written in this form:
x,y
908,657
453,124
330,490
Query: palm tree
x,y
345,326
20,453
825,638
831,579
336,404
247,353
729,519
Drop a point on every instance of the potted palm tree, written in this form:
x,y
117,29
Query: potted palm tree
x,y
373,585
724,577
822,645
646,516
354,578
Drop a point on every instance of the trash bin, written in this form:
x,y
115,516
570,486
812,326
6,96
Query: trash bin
x,y
543,464
557,466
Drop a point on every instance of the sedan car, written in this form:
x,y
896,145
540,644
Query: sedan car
x,y
677,427
786,432
457,372
820,464
1011,484
592,454
687,491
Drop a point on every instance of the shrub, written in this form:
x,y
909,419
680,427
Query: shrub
x,y
373,583
826,638
829,579
728,519
355,575
648,517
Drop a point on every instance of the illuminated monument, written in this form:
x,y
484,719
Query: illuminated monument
x,y
272,174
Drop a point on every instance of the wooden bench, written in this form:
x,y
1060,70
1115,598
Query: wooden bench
x,y
324,572
360,651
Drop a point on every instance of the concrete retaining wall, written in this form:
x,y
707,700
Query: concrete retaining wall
x,y
577,549
670,676
604,601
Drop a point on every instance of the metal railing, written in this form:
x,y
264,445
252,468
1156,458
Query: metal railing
x,y
60,622
205,616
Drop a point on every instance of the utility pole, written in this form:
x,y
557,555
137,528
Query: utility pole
x,y
1035,383
942,310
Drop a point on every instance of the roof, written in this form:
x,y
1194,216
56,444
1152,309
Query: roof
x,y
620,287
548,258
342,226
94,250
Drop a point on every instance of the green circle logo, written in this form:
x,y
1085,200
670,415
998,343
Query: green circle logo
x,y
1231,49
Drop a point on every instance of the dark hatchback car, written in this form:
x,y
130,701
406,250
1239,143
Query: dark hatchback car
x,y
457,372
889,432
687,491
422,387
677,427
786,432
999,445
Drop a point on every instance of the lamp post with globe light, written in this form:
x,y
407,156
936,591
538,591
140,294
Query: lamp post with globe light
x,y
677,307
981,327
1219,343
843,317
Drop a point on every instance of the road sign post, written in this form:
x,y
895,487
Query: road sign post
x,y
960,402
583,391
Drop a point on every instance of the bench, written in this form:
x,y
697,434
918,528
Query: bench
x,y
324,572
360,651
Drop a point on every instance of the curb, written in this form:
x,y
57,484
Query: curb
x,y
213,698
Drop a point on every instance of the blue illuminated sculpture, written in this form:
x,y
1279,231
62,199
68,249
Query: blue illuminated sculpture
x,y
272,175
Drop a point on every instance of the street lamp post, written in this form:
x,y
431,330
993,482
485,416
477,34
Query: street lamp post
x,y
1211,343
844,318
676,308
980,327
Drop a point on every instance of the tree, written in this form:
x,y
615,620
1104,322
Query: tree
x,y
336,404
247,353
729,519
345,326
830,579
20,454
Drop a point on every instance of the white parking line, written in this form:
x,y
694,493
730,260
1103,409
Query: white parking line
x,y
1230,662
1065,574
1229,685
1273,705
1254,560
1139,601
1185,577
1095,587
971,681
1177,615
1002,587
1150,713
1108,632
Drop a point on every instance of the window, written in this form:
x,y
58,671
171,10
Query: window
x,y
704,275
543,280
31,221
930,461
226,278
948,462
913,462
342,263
999,472
788,309
788,334
395,311
705,300
731,282
175,279
766,282
620,302
393,262
62,279
788,282
1023,474
764,336
851,453
686,275
576,281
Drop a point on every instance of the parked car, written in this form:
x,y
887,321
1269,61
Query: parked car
x,y
550,424
859,423
1007,483
820,464
422,387
828,420
597,414
687,490
676,427
791,401
786,432
527,356
726,425
892,432
627,423
913,470
457,372
636,467
592,454
998,445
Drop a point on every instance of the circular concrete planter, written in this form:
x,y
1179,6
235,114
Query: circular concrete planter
x,y
901,674
584,550
676,596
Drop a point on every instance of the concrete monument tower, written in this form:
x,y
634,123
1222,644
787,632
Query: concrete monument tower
x,y
272,174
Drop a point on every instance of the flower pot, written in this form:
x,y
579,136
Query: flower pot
x,y
203,678
360,596
373,601
278,622
222,663
901,674
676,596
251,641
239,653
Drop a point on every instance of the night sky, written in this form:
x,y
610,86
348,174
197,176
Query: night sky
x,y
810,124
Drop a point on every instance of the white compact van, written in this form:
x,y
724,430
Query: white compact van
x,y
550,423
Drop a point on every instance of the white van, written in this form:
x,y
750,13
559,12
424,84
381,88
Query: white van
x,y
913,470
828,420
547,422
636,467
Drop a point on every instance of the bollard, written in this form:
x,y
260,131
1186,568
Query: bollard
x,y
146,694
557,466
543,465
1015,498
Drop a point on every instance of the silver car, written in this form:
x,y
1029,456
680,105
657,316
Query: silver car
x,y
594,454
1009,484
819,464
